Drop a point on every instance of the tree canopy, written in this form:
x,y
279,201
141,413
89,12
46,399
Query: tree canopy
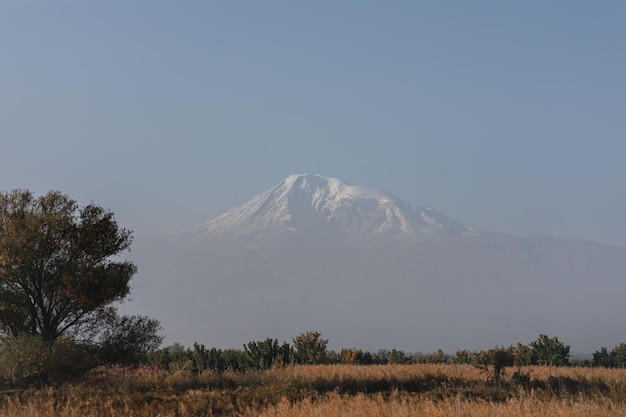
x,y
310,348
549,351
61,274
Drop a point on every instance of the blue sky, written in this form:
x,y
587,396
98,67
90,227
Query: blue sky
x,y
508,116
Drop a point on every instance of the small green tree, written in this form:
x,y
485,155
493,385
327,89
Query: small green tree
x,y
549,351
619,356
523,355
207,358
464,356
264,354
494,361
397,356
310,348
613,359
437,357
602,358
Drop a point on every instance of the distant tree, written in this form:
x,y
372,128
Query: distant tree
x,y
264,354
397,356
207,358
523,355
126,339
234,359
166,356
310,348
619,356
494,361
349,356
464,356
60,275
602,358
549,351
437,357
198,359
356,357
613,359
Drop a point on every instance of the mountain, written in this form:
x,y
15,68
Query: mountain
x,y
305,204
369,270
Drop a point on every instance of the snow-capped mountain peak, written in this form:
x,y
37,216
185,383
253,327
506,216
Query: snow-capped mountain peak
x,y
332,189
303,204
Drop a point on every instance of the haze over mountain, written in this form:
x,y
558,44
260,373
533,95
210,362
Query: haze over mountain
x,y
370,270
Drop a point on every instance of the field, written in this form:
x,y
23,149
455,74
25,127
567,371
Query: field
x,y
329,390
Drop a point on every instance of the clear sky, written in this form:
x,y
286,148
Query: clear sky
x,y
507,116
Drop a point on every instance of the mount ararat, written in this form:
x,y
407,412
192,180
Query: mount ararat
x,y
369,270
302,205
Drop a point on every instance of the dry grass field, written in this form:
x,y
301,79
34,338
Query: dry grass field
x,y
330,390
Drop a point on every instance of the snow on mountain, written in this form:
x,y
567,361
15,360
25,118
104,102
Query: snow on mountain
x,y
304,204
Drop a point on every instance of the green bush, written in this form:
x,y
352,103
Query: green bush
x,y
198,359
267,353
549,351
310,348
397,357
613,359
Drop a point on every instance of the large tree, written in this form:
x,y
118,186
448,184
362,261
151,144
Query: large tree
x,y
61,274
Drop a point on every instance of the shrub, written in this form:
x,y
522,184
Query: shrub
x,y
29,360
614,359
264,354
353,356
549,351
464,356
397,357
310,348
494,361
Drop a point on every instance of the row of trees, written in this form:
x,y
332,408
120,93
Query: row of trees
x,y
307,349
543,351
311,348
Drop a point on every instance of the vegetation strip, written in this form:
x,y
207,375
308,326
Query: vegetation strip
x,y
146,391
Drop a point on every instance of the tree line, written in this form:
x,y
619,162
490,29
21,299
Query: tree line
x,y
311,348
307,349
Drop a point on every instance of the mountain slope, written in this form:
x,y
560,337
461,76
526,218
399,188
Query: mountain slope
x,y
371,271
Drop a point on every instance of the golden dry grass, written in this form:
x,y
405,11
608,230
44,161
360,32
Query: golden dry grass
x,y
329,390
398,405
